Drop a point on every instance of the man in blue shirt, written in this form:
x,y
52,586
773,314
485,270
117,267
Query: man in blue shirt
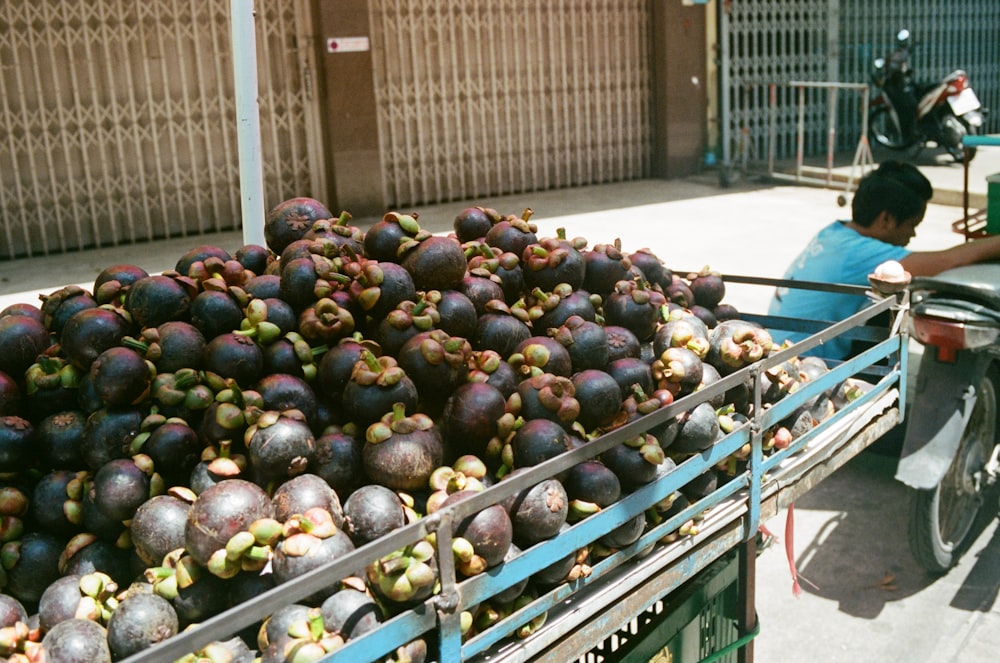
x,y
888,205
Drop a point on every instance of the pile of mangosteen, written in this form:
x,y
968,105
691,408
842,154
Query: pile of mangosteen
x,y
174,443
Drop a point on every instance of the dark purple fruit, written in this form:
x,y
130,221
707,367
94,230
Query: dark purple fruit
x,y
157,299
221,511
351,611
634,465
77,641
471,417
16,443
541,354
235,356
402,451
537,512
114,281
372,511
585,341
176,345
512,234
499,330
678,370
737,343
10,395
60,601
32,564
140,621
682,330
376,385
290,220
22,339
381,287
263,286
301,553
434,262
336,365
60,306
592,481
625,534
338,460
707,287
481,287
629,372
651,267
108,434
56,502
288,392
538,440
634,306
552,261
489,531
437,363
280,446
174,447
457,313
120,486
120,376
215,312
622,343
200,254
304,492
90,332
606,266
254,258
383,238
679,292
599,396
548,396
158,528
472,223
11,611
699,428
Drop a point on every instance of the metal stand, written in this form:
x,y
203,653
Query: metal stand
x,y
863,159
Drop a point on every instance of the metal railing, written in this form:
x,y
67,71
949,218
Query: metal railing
x,y
862,156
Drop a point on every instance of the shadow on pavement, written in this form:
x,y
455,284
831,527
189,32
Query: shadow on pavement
x,y
860,555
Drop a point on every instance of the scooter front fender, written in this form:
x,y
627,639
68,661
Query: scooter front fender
x,y
937,417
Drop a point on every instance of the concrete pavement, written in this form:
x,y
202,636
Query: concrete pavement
x,y
864,599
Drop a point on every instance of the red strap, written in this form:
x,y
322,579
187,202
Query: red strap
x,y
790,549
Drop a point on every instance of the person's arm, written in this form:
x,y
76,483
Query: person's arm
x,y
930,263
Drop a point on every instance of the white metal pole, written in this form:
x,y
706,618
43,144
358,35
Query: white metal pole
x,y
248,120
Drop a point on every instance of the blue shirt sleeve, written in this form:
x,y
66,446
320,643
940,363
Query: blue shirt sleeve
x,y
837,254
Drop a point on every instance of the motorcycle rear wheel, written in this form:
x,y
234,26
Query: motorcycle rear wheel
x,y
884,131
942,518
959,153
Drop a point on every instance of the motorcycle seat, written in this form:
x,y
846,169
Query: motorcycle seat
x,y
977,284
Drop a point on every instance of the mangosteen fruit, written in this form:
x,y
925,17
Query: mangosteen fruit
x,y
513,234
629,372
121,485
22,339
372,511
606,266
140,621
351,611
32,564
707,287
121,376
16,442
338,458
90,332
290,220
383,238
222,511
537,512
471,416
634,461
234,355
541,354
307,548
402,451
699,428
280,445
304,492
473,223
585,341
157,527
434,262
634,306
77,640
499,329
375,386
737,343
548,396
599,397
652,267
622,342
538,440
488,531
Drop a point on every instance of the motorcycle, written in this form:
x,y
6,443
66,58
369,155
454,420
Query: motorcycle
x,y
951,456
904,113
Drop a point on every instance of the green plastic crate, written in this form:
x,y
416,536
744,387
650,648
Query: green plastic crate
x,y
696,623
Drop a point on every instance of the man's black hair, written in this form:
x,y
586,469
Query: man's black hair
x,y
895,187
